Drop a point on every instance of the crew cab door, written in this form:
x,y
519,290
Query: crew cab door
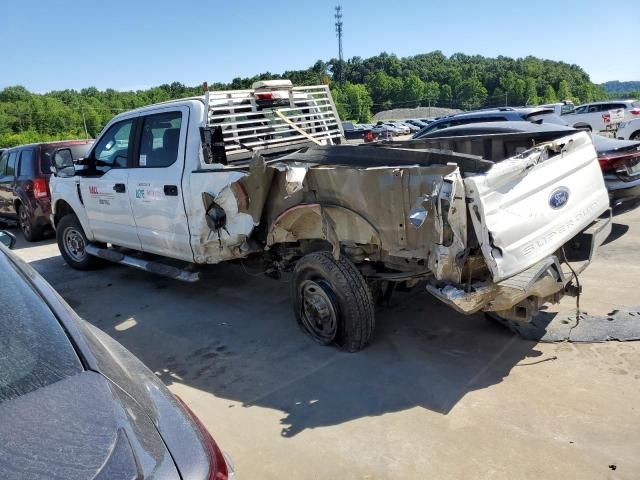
x,y
155,182
104,191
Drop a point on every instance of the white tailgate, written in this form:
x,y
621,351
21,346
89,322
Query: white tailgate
x,y
526,207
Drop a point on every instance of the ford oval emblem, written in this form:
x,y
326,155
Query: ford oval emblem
x,y
559,197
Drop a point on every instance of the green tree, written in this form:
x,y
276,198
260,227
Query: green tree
x,y
353,102
432,92
412,91
564,91
531,92
446,95
549,95
473,93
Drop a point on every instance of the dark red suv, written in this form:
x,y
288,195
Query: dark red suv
x,y
24,183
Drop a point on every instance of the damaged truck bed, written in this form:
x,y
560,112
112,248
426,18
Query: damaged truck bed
x,y
499,223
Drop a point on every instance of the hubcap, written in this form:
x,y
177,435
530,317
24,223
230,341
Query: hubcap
x,y
318,311
74,244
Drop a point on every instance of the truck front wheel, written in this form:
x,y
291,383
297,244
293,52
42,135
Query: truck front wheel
x,y
332,301
72,242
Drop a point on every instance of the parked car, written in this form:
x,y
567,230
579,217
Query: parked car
x,y
417,123
412,128
597,116
502,114
24,183
75,404
355,131
561,108
629,130
618,159
402,128
385,131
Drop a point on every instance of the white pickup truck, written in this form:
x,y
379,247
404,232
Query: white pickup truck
x,y
488,223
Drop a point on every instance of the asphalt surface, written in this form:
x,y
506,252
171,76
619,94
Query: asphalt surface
x,y
436,395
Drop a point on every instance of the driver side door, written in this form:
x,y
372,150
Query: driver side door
x,y
104,192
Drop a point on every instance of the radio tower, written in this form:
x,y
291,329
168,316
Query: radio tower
x,y
338,17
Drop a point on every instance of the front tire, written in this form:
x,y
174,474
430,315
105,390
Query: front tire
x,y
72,242
332,301
30,231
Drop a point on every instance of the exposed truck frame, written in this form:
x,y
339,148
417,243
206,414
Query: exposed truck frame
x,y
488,223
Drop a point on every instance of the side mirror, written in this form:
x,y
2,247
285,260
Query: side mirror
x,y
7,239
62,161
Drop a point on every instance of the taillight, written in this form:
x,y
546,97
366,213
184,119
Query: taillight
x,y
218,469
264,96
40,188
617,163
635,111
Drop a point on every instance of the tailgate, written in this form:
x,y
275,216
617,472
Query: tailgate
x,y
526,207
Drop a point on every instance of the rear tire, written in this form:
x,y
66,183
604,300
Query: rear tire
x,y
30,231
332,301
72,242
635,136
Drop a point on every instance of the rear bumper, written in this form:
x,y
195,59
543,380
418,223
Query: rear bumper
x,y
519,296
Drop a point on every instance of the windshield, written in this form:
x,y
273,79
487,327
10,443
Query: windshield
x,y
34,349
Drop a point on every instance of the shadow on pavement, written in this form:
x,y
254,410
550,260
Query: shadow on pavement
x,y
234,335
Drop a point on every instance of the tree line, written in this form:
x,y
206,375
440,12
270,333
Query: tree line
x,y
373,84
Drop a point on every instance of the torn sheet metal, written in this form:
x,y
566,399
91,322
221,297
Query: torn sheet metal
x,y
511,207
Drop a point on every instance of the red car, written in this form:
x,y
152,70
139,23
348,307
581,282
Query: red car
x,y
24,183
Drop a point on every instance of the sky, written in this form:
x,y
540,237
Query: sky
x,y
136,44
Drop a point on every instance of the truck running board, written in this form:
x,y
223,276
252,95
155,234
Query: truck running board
x,y
146,265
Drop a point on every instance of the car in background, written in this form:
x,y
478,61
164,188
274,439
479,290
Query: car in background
x,y
597,116
24,183
416,123
561,108
412,128
355,131
629,130
385,131
75,404
404,130
619,159
501,114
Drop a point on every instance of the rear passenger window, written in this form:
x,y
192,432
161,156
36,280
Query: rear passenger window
x,y
11,164
26,158
3,163
159,141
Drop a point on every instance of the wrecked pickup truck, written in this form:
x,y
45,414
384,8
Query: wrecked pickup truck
x,y
488,223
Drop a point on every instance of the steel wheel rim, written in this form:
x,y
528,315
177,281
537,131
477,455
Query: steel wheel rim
x,y
74,244
24,222
318,312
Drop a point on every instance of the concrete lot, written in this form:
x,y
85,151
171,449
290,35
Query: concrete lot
x,y
437,395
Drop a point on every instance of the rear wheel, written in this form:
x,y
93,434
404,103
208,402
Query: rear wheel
x,y
72,242
332,301
635,136
31,232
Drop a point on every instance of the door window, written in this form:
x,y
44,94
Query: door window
x,y
11,164
159,141
3,163
112,149
26,158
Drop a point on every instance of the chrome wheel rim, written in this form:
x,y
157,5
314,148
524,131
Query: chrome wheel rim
x,y
318,312
74,244
24,222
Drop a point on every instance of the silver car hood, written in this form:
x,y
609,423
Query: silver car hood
x,y
81,427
